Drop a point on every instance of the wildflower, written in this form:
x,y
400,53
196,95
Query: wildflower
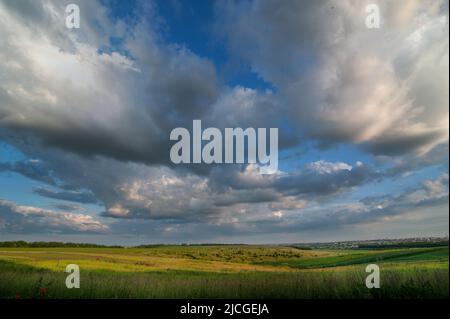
x,y
43,291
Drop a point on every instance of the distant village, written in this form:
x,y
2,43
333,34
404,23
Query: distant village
x,y
380,243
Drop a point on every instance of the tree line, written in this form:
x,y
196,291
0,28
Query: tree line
x,y
54,244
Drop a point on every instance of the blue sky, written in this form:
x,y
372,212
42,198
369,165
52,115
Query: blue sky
x,y
85,116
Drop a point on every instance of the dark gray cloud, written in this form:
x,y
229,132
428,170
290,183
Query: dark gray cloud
x,y
324,178
67,207
33,169
27,10
84,197
399,145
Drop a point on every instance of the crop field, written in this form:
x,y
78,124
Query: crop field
x,y
223,271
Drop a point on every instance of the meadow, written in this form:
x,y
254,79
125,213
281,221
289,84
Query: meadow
x,y
223,271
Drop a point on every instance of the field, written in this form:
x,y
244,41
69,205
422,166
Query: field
x,y
238,271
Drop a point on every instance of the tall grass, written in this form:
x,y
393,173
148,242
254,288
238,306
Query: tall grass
x,y
19,281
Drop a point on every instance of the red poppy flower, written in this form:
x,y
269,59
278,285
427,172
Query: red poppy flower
x,y
43,291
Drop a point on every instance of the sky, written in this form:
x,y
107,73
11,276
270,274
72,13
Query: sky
x,y
86,115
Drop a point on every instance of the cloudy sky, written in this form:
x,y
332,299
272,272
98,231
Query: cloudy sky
x,y
86,114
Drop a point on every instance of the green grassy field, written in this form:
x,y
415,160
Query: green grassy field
x,y
223,272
